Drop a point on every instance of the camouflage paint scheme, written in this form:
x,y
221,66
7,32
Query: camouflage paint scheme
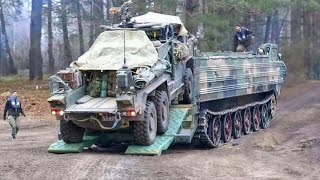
x,y
229,74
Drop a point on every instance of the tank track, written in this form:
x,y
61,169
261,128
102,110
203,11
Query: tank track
x,y
206,115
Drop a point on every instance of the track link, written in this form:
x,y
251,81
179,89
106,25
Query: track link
x,y
206,115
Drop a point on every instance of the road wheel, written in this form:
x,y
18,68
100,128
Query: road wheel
x,y
237,125
145,131
188,83
247,121
71,133
273,105
264,117
214,131
256,119
226,128
162,106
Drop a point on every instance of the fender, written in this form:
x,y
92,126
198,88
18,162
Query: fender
x,y
148,90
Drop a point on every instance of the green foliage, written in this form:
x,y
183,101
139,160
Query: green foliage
x,y
222,15
311,5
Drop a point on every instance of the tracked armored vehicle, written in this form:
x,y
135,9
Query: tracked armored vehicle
x,y
236,93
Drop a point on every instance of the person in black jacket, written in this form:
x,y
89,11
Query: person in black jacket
x,y
243,38
14,109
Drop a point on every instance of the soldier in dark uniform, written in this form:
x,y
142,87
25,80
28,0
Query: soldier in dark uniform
x,y
243,38
14,109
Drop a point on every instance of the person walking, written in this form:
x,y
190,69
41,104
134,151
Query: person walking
x,y
14,109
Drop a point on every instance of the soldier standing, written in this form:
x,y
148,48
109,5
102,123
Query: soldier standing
x,y
14,109
243,38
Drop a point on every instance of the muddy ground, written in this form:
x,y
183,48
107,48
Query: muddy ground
x,y
289,149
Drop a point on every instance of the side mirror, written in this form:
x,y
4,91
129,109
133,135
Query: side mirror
x,y
279,56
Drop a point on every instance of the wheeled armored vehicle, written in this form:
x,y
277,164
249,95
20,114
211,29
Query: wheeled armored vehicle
x,y
126,80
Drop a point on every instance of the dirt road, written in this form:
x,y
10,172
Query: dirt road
x,y
289,149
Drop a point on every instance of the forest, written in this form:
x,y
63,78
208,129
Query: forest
x,y
39,37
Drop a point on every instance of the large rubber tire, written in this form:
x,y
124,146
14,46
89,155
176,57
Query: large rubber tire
x,y
162,106
188,83
145,131
70,132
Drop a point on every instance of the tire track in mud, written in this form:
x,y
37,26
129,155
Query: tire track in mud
x,y
307,99
301,102
102,166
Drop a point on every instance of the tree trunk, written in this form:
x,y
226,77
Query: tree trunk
x,y
307,43
267,34
181,10
204,7
98,16
79,17
3,61
149,5
91,33
281,25
107,10
64,21
258,31
296,12
35,58
51,68
317,62
275,27
11,69
314,43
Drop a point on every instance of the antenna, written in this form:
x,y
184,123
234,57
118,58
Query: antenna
x,y
124,46
125,16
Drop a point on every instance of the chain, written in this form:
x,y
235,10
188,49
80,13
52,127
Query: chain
x,y
206,115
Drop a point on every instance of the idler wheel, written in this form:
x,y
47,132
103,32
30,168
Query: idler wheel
x,y
214,131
